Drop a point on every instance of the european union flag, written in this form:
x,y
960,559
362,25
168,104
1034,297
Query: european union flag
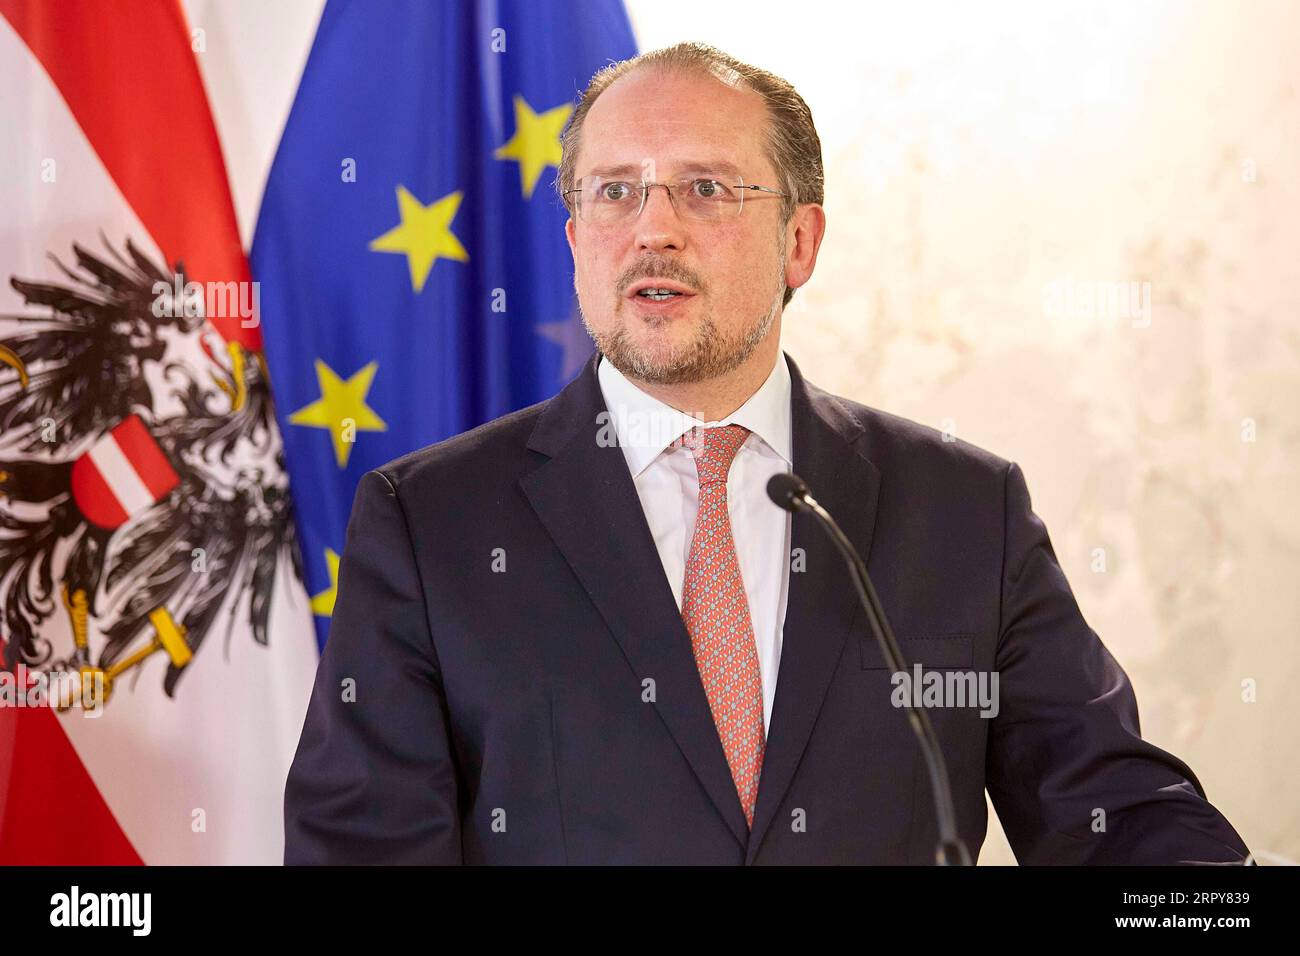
x,y
414,276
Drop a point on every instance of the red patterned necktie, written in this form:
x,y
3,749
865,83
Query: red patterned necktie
x,y
716,613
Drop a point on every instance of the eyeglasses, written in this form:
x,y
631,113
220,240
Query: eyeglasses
x,y
604,201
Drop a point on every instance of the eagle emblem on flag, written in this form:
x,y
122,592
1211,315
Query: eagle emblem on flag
x,y
143,495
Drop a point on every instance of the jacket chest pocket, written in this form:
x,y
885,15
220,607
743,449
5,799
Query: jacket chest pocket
x,y
929,649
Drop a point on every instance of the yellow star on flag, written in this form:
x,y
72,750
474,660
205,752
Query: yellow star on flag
x,y
424,234
341,408
536,143
323,603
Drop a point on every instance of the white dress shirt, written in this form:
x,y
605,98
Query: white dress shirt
x,y
669,488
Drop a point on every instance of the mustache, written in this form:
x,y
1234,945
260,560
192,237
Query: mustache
x,y
659,268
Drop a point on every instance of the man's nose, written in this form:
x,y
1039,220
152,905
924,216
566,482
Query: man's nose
x,y
659,227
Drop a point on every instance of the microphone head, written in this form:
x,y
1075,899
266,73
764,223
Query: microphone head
x,y
787,491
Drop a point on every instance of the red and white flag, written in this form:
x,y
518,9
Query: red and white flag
x,y
147,550
122,475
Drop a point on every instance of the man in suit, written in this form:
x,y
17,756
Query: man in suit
x,y
581,633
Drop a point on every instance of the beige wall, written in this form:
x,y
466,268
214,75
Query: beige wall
x,y
979,159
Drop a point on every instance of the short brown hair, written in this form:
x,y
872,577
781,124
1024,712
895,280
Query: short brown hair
x,y
793,147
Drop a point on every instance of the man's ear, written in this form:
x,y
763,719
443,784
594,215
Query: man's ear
x,y
569,228
804,237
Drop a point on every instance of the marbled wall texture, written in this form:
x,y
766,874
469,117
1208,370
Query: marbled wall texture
x,y
1073,237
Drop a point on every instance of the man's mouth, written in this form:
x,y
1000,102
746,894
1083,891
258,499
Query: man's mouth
x,y
658,295
658,291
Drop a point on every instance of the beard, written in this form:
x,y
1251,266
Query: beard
x,y
708,354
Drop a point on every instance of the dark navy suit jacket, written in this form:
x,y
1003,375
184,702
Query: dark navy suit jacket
x,y
551,712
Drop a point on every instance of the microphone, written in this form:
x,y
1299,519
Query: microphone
x,y
789,492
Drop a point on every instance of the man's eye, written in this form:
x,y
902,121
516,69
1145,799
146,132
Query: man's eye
x,y
709,189
614,192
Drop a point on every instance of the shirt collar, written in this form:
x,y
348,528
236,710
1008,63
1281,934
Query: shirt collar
x,y
646,426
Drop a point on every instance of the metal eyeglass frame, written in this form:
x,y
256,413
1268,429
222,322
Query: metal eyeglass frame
x,y
645,188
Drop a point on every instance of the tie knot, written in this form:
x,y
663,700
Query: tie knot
x,y
714,449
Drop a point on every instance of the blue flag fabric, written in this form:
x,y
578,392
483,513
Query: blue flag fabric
x,y
414,276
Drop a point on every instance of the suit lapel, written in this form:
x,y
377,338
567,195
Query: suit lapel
x,y
585,497
822,603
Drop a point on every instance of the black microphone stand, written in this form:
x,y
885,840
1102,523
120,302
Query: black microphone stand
x,y
789,492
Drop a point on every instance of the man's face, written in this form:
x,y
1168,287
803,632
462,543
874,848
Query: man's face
x,y
734,269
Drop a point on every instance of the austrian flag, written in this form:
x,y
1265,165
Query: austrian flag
x,y
147,540
123,474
